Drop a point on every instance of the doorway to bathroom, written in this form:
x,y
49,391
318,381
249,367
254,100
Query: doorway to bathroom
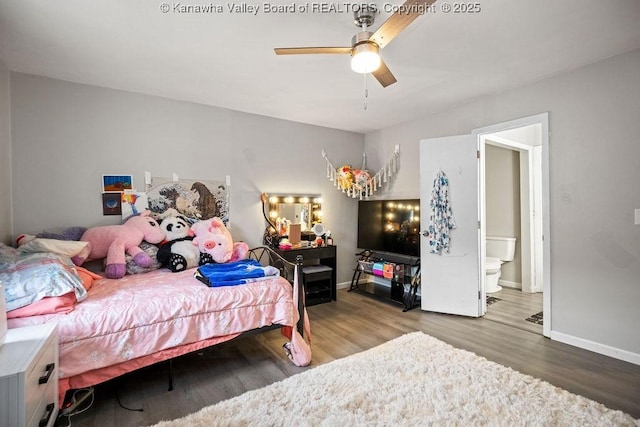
x,y
512,210
511,204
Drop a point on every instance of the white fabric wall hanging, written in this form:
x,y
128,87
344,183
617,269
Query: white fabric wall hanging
x,y
359,182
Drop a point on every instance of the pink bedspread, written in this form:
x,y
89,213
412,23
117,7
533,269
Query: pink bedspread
x,y
140,315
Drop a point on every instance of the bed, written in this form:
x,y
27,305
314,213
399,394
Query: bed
x,y
129,323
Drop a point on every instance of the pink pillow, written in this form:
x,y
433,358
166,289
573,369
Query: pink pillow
x,y
47,305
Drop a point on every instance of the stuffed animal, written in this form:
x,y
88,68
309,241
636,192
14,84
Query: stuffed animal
x,y
362,178
113,241
212,237
240,251
344,176
149,249
71,233
178,252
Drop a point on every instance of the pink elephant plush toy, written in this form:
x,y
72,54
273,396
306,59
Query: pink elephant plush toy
x,y
113,241
212,237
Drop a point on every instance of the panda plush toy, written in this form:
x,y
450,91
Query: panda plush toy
x,y
178,252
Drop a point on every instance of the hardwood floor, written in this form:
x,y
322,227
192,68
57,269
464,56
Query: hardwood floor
x,y
352,324
514,307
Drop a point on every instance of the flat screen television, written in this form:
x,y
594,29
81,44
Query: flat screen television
x,y
389,226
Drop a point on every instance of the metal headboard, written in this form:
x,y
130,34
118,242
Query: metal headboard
x,y
267,256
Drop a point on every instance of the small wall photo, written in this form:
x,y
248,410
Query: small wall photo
x,y
111,203
119,183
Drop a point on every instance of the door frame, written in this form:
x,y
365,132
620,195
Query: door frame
x,y
530,209
543,120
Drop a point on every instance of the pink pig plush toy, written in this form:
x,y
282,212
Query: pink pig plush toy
x,y
112,241
212,237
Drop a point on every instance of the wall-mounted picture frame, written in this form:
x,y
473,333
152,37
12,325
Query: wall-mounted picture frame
x,y
116,183
111,203
195,199
133,203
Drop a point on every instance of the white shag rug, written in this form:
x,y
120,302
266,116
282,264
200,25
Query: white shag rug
x,y
412,380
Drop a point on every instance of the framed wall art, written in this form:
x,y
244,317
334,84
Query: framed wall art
x,y
195,199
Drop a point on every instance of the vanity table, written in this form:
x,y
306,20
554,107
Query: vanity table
x,y
318,263
319,271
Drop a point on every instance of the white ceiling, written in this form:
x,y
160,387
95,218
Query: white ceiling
x,y
227,60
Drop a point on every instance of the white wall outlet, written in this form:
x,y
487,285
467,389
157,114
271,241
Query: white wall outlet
x,y
637,214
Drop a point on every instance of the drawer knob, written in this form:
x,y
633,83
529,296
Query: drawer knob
x,y
47,414
45,378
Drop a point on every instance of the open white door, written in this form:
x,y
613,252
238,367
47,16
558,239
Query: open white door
x,y
451,283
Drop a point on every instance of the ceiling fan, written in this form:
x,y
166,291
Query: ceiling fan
x,y
365,46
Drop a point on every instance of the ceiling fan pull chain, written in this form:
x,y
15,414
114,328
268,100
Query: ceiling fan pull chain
x,y
366,91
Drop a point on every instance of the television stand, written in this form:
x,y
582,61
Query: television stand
x,y
400,272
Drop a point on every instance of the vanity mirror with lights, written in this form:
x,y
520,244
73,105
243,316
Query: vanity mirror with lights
x,y
305,210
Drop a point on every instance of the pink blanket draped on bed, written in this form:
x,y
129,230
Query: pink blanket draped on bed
x,y
141,319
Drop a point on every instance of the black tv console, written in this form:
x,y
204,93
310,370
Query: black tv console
x,y
403,267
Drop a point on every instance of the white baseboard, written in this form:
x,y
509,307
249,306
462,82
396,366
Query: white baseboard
x,y
369,279
606,350
614,352
343,285
509,284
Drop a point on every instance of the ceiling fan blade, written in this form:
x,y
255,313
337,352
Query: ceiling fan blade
x,y
397,22
311,50
384,76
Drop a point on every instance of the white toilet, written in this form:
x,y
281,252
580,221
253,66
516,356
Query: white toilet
x,y
499,251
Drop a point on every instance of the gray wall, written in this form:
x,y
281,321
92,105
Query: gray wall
x,y
66,135
502,186
594,176
5,157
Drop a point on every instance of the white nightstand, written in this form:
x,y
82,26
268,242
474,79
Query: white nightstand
x,y
29,377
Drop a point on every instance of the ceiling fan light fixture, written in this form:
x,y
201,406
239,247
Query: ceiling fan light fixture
x,y
365,58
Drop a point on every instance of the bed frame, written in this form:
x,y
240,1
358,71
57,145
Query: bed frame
x,y
201,320
267,256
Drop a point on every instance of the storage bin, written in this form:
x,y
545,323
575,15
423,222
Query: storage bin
x,y
378,268
366,266
388,269
398,272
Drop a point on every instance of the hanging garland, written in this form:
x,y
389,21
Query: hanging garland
x,y
359,182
